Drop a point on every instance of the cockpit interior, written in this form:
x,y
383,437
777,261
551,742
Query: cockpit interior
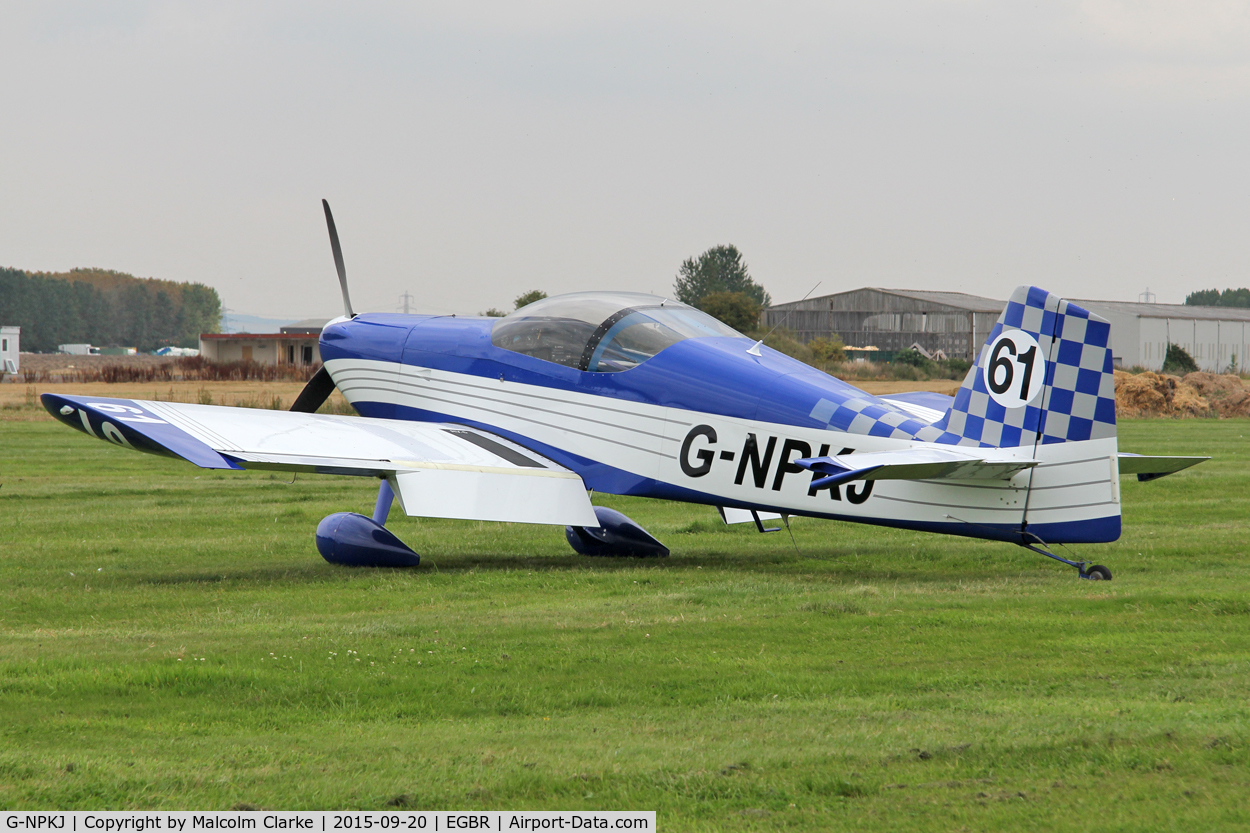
x,y
603,332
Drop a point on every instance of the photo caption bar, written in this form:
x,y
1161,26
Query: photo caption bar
x,y
324,821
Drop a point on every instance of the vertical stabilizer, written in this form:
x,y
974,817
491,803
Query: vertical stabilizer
x,y
1044,376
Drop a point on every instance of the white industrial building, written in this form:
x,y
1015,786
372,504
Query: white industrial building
x,y
958,324
1140,333
10,349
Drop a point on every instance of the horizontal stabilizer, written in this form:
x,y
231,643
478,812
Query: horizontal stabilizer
x,y
1152,468
917,464
438,470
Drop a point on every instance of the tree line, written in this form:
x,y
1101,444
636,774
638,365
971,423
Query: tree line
x,y
105,308
1216,298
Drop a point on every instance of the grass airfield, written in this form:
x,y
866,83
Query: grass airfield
x,y
169,638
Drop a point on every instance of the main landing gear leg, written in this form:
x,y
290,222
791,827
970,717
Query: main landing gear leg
x,y
386,496
1093,572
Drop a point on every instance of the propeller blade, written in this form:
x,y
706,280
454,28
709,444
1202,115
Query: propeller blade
x,y
317,391
338,260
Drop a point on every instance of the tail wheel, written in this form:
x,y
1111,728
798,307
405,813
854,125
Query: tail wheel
x,y
1098,573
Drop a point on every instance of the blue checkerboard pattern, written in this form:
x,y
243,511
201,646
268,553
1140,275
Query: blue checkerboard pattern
x,y
1077,401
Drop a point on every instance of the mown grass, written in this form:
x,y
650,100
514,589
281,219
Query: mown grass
x,y
170,638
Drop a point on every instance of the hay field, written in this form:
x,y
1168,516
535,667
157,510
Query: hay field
x,y
21,401
170,638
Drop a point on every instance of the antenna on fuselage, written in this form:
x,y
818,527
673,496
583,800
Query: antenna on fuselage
x,y
338,260
754,349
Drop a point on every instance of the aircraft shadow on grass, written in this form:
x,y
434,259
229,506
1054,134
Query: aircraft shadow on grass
x,y
517,418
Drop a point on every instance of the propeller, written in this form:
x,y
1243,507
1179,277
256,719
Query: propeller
x,y
316,392
338,260
320,386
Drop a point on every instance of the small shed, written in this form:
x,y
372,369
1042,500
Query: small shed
x,y
10,349
262,348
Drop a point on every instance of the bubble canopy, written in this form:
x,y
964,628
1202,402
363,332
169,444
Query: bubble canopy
x,y
603,332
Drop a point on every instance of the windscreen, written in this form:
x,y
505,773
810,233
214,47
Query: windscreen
x,y
602,332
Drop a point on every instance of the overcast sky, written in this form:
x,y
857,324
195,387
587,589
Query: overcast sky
x,y
472,151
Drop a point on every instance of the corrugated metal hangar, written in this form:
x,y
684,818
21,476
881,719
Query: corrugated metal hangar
x,y
893,319
1140,333
958,324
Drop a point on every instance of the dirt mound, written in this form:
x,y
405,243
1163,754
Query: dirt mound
x,y
1227,393
1151,394
1196,395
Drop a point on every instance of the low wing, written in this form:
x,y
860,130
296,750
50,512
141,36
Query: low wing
x,y
1152,468
438,470
918,464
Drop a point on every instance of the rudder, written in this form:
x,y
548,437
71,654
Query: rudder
x,y
1045,375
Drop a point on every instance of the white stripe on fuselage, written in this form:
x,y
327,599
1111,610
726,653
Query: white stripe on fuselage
x,y
1076,481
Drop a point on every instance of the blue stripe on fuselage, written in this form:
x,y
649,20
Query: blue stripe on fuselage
x,y
704,375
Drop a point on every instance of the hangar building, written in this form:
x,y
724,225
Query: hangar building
x,y
1140,333
893,319
958,324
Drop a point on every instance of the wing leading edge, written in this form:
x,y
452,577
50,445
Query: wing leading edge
x,y
438,470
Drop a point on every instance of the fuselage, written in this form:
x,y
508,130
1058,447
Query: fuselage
x,y
704,421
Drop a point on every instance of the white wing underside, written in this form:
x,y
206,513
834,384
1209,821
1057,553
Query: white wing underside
x,y
437,470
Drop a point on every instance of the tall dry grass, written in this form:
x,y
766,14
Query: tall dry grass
x,y
186,369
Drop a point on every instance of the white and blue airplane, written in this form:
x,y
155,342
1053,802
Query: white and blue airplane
x,y
520,418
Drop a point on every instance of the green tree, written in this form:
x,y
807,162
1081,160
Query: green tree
x,y
104,307
1216,298
164,321
493,313
830,349
737,309
529,298
1178,361
913,358
201,313
719,269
